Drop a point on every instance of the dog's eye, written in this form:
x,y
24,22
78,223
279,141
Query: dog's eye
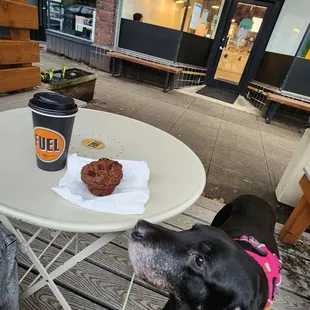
x,y
200,262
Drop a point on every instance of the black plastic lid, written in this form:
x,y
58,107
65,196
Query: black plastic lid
x,y
53,104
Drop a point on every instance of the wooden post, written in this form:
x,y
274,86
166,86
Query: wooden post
x,y
300,217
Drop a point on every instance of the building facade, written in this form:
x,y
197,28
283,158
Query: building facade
x,y
222,43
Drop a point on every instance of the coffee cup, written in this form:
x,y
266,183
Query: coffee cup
x,y
53,118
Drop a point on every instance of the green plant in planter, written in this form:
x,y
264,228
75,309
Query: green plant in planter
x,y
50,74
63,71
47,75
43,75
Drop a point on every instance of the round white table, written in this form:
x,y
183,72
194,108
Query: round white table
x,y
176,181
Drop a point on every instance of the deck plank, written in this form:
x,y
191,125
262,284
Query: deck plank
x,y
300,250
110,257
113,259
116,260
97,284
286,300
45,300
188,219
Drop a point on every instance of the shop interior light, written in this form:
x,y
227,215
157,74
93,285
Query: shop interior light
x,y
297,30
179,1
215,7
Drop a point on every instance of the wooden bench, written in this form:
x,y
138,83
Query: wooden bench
x,y
274,101
300,217
171,71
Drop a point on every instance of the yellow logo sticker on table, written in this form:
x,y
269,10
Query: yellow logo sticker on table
x,y
93,144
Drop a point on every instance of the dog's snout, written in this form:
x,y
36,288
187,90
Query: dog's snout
x,y
143,230
139,232
136,234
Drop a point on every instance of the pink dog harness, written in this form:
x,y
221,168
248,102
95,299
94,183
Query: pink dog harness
x,y
270,263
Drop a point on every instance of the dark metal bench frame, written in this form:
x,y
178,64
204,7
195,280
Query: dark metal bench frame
x,y
272,106
170,71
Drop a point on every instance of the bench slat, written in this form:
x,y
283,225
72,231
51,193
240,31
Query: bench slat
x,y
145,63
288,101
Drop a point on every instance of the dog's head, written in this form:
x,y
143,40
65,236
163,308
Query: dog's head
x,y
198,267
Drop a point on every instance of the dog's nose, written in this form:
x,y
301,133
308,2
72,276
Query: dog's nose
x,y
139,232
136,234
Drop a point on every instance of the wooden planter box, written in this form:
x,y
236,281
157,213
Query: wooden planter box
x,y
78,84
17,51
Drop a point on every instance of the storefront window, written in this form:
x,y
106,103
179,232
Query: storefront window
x,y
203,17
304,50
155,28
164,13
290,28
152,27
73,17
297,80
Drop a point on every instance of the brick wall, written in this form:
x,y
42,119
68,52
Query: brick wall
x,y
106,12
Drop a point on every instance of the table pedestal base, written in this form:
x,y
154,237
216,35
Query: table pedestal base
x,y
48,278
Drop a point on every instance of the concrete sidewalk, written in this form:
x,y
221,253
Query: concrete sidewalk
x,y
241,154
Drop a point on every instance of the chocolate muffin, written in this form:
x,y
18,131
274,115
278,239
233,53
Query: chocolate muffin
x,y
102,176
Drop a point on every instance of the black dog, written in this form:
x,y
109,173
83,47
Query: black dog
x,y
204,268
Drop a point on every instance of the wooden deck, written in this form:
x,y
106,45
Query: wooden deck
x,y
101,281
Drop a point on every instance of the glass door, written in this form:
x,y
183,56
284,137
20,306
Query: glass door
x,y
238,43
